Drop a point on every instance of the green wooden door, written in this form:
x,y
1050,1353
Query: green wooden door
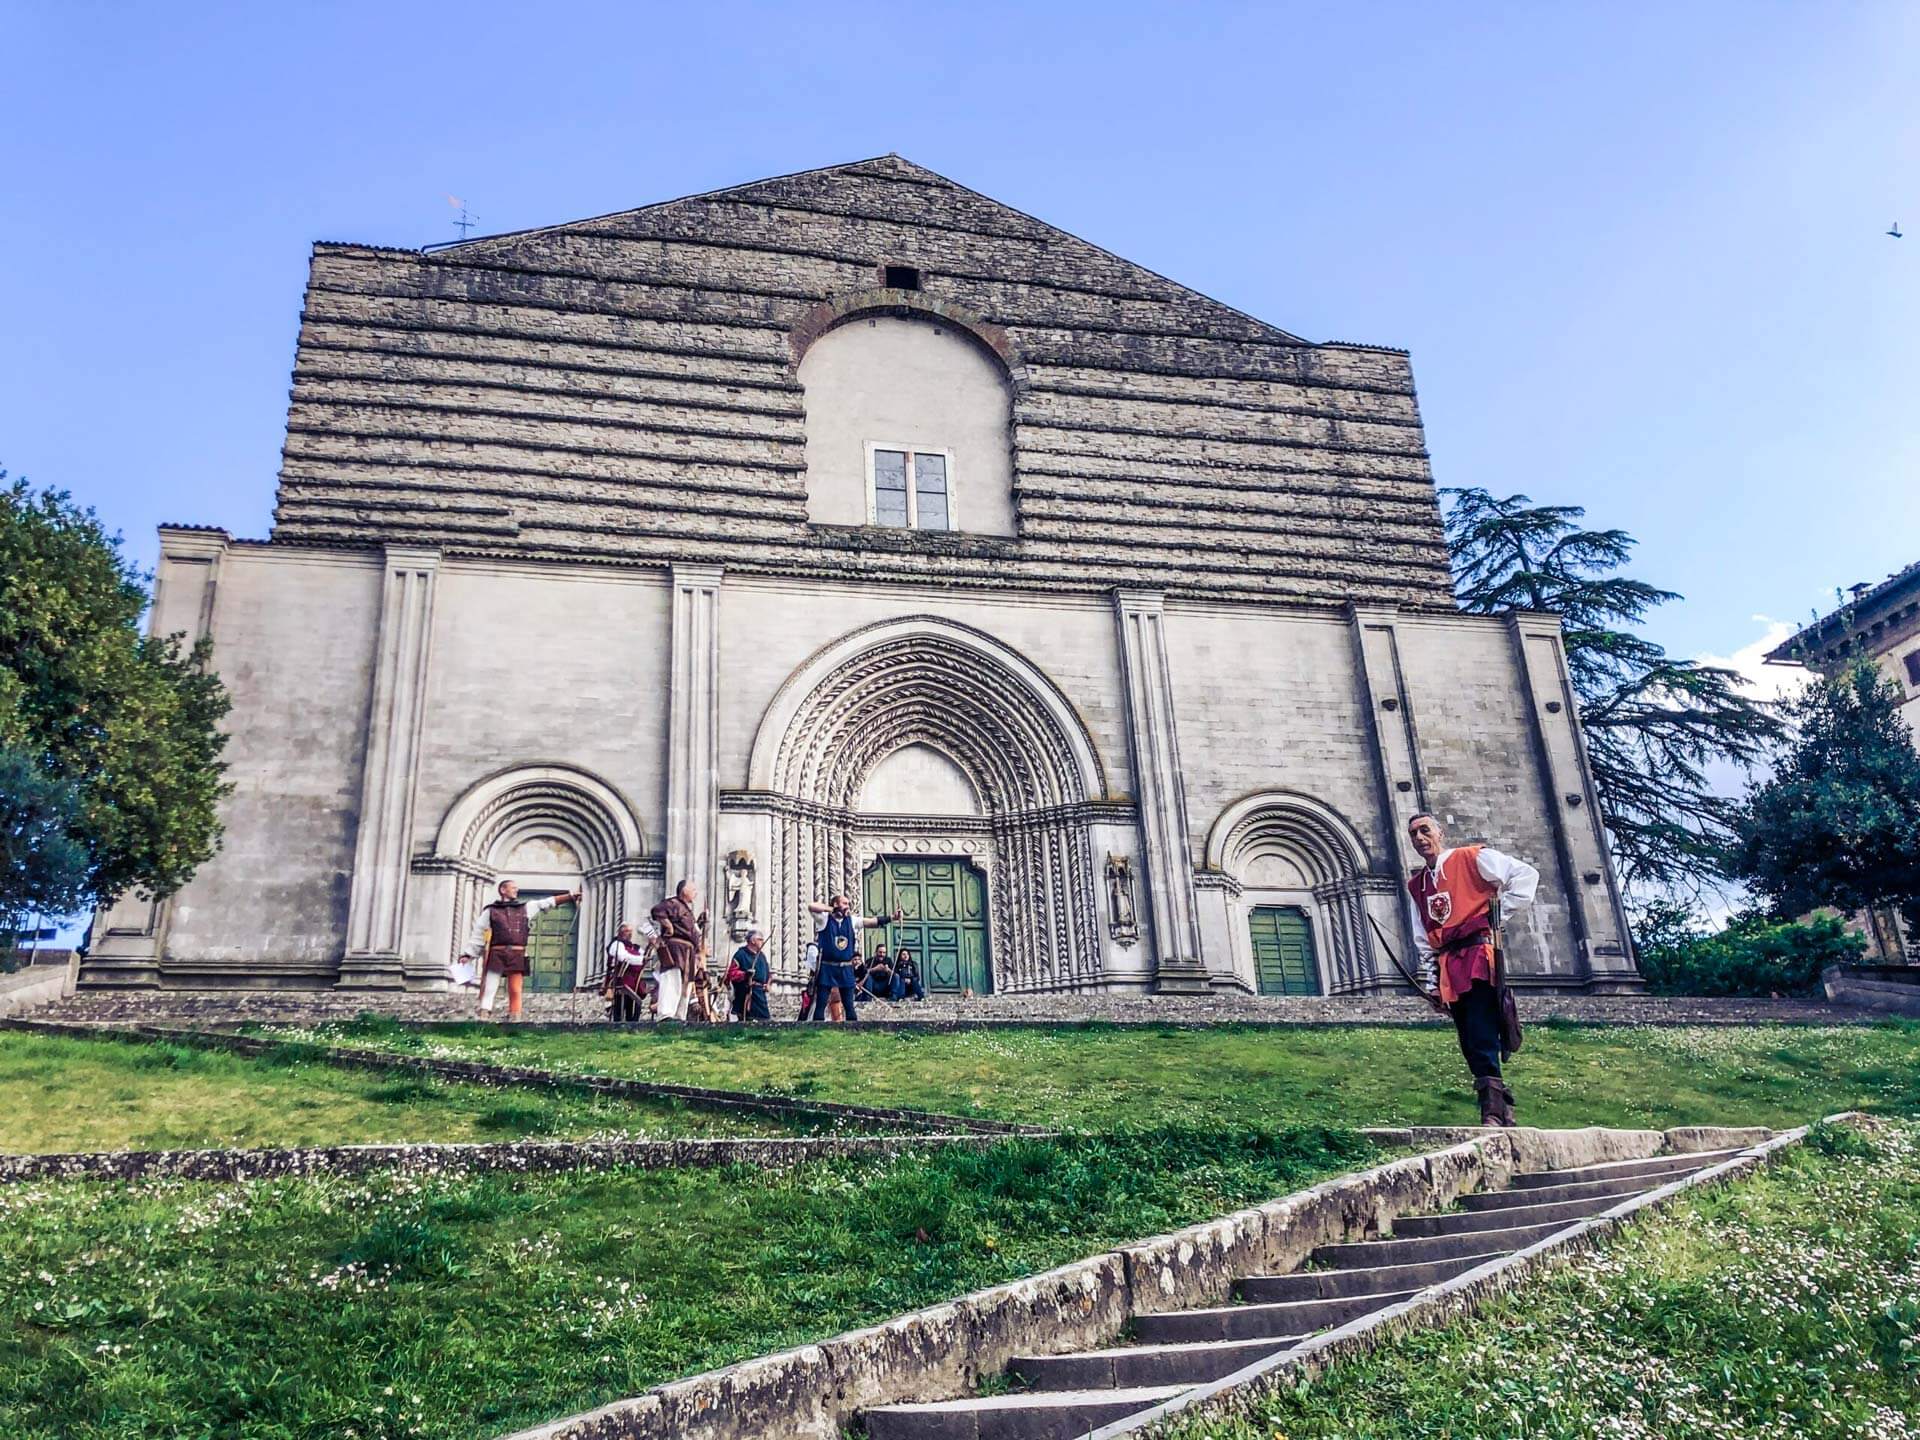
x,y
943,905
1283,960
550,949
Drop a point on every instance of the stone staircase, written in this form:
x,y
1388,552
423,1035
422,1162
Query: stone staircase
x,y
1054,1397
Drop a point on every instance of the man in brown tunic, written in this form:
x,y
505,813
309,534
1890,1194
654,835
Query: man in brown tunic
x,y
682,937
501,933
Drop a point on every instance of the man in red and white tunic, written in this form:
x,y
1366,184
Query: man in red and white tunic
x,y
1454,897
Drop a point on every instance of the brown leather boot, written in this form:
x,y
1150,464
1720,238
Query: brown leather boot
x,y
1488,1089
1496,1101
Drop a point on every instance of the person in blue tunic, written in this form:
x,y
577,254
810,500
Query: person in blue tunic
x,y
840,949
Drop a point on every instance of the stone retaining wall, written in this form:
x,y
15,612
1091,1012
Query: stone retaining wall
x,y
812,1391
522,1156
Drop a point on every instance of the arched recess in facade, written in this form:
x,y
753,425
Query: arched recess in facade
x,y
1281,848
926,681
550,826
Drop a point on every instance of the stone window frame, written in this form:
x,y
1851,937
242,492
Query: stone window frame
x,y
911,451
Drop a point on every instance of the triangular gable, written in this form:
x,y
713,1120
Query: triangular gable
x,y
914,197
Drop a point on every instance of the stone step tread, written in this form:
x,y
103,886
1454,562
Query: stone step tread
x,y
1353,1254
1379,1279
1647,1165
1178,1362
1466,1222
1035,1400
1618,1186
1277,1307
1025,1415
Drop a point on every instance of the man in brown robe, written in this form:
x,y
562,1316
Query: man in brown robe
x,y
682,937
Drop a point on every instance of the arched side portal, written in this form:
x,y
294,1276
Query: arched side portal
x,y
1279,851
550,827
1011,737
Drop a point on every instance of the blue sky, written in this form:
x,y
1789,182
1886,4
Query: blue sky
x,y
1635,249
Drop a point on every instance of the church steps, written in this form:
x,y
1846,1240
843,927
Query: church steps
x,y
1466,1222
1128,1365
1549,1194
1068,1393
1663,1165
1277,1319
1040,1415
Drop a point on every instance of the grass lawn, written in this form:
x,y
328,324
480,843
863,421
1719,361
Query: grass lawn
x,y
463,1306
1099,1076
84,1094
1787,1306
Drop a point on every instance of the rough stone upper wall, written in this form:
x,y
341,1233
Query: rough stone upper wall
x,y
624,389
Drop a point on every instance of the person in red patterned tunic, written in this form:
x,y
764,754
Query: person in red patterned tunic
x,y
1458,897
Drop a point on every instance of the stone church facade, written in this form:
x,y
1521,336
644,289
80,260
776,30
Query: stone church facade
x,y
850,531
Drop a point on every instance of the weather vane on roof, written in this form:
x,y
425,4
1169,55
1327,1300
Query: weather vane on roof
x,y
466,222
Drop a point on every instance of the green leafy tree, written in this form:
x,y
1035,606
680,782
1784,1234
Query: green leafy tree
x,y
1838,822
43,869
121,729
1653,723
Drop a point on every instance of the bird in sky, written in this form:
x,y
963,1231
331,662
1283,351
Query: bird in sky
x,y
1895,231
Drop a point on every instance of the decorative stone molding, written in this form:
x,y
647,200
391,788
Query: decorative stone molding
x,y
130,934
482,828
1155,743
1596,912
693,733
831,314
921,680
376,905
1326,852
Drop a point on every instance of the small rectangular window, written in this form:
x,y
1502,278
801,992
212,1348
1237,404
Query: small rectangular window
x,y
1913,667
903,277
911,488
890,487
930,492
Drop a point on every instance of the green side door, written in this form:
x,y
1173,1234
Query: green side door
x,y
550,949
943,905
1283,958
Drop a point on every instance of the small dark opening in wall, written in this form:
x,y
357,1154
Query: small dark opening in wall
x,y
903,277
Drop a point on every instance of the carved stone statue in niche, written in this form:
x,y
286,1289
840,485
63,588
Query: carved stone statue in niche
x,y
739,893
1120,918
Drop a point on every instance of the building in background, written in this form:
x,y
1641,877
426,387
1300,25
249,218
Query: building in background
x,y
852,531
1881,622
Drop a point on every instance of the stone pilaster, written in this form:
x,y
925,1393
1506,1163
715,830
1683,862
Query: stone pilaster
x,y
376,907
693,733
1586,869
129,936
1399,780
1155,745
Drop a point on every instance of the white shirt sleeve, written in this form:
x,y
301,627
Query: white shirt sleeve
x,y
1517,879
1427,970
534,907
478,937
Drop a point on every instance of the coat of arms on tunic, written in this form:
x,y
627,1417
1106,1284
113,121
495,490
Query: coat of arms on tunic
x,y
1439,907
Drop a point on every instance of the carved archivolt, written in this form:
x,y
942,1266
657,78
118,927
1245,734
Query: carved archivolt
x,y
927,681
487,824
1326,852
